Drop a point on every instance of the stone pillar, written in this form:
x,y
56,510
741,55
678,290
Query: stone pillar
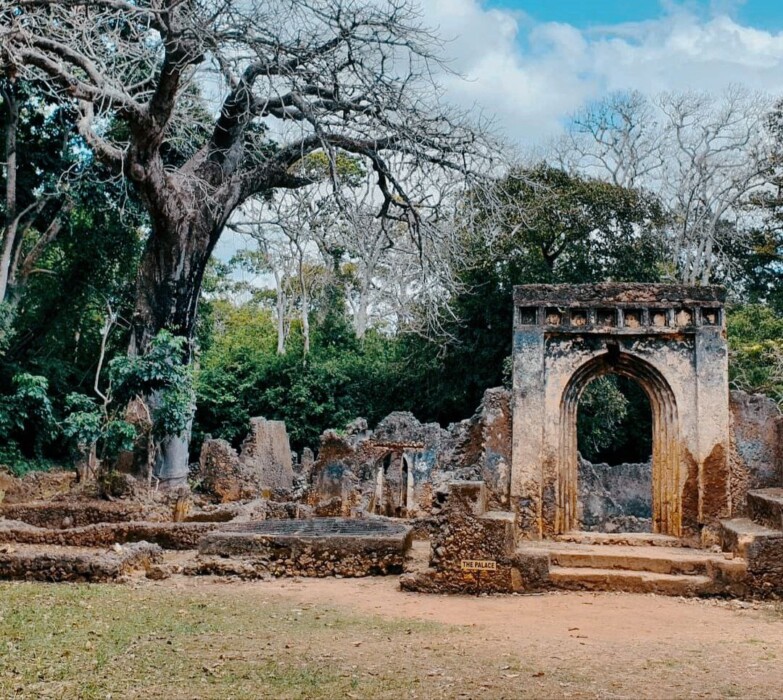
x,y
712,397
267,452
528,428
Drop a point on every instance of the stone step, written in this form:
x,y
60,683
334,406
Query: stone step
x,y
661,560
766,507
739,533
649,539
582,579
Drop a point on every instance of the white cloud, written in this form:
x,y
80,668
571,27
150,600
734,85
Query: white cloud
x,y
533,75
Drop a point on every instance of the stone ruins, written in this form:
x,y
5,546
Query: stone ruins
x,y
500,502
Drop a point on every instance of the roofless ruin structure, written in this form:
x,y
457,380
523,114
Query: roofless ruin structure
x,y
671,340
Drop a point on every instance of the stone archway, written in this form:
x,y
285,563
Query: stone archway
x,y
671,339
667,506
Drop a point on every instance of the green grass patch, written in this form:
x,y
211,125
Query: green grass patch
x,y
95,641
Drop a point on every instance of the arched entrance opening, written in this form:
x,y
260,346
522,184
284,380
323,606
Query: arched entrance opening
x,y
666,497
394,485
614,441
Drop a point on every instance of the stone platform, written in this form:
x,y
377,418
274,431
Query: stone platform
x,y
317,547
53,563
637,568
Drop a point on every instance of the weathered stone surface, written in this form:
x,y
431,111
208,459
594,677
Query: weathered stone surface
x,y
313,548
136,461
167,535
35,486
394,469
307,462
465,531
222,476
765,507
25,563
65,514
615,498
266,452
614,293
756,452
482,447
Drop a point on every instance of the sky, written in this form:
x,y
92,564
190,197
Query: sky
x,y
531,63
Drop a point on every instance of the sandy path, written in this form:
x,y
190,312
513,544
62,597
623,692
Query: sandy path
x,y
572,644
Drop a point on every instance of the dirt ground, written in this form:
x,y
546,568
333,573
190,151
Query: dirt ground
x,y
560,644
363,639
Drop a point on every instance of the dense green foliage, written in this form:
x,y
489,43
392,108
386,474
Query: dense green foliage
x,y
553,227
241,375
562,229
756,346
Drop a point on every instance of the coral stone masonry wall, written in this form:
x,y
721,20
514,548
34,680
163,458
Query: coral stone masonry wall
x,y
671,340
756,455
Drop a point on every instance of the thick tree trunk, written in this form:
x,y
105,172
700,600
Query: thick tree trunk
x,y
168,285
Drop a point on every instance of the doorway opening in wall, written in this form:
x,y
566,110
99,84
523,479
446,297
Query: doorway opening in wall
x,y
614,440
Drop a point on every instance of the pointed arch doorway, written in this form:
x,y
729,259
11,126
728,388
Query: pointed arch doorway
x,y
669,339
666,497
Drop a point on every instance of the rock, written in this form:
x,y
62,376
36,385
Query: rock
x,y
308,460
136,461
222,476
356,427
158,572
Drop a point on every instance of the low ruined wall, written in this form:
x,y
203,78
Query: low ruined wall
x,y
256,550
616,497
756,452
765,567
64,514
166,535
35,486
59,565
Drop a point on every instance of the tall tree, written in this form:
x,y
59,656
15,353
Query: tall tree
x,y
538,225
291,77
36,186
703,155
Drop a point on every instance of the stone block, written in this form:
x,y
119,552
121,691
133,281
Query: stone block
x,y
266,452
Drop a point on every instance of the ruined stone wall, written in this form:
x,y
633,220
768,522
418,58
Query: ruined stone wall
x,y
466,531
263,467
615,497
166,535
365,470
58,566
671,340
330,547
756,452
64,514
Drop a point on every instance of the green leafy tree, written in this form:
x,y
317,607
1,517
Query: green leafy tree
x,y
756,350
27,423
540,225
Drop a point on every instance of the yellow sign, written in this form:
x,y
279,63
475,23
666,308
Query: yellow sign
x,y
478,565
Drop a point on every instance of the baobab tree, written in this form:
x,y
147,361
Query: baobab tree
x,y
203,104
